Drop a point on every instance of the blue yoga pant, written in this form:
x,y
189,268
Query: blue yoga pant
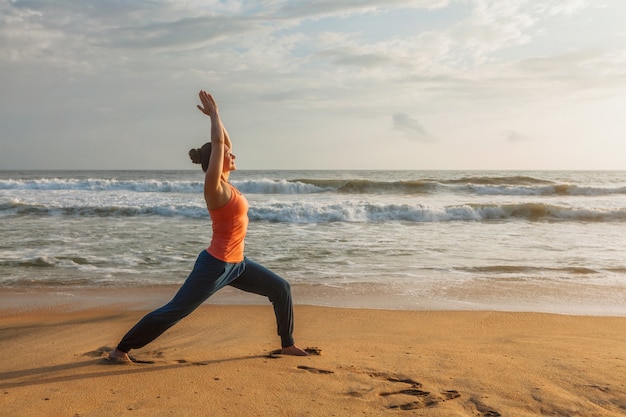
x,y
208,276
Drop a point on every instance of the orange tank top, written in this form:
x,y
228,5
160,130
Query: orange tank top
x,y
230,223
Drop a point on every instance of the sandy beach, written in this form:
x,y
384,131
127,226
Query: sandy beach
x,y
218,362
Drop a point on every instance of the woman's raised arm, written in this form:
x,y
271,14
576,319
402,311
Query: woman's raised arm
x,y
215,194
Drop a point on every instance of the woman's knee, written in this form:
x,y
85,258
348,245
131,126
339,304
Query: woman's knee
x,y
261,280
285,287
281,290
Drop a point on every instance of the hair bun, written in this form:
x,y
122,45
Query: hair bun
x,y
196,156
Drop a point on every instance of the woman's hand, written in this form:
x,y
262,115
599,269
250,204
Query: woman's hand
x,y
209,106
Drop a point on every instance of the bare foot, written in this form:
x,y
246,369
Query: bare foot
x,y
118,356
293,350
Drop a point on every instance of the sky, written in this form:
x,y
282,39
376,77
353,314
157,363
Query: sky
x,y
320,84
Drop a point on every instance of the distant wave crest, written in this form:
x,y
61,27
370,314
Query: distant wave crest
x,y
514,185
94,184
259,186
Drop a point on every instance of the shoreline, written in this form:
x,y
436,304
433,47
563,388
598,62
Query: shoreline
x,y
564,299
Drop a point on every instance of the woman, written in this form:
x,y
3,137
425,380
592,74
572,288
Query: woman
x,y
223,262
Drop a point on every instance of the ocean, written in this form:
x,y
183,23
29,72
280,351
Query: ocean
x,y
547,241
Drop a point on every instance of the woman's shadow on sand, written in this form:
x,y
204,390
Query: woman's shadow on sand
x,y
48,374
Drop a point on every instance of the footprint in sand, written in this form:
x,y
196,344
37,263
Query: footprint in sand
x,y
315,370
412,388
103,352
424,398
484,410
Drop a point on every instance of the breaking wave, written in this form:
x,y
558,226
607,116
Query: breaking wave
x,y
326,212
514,185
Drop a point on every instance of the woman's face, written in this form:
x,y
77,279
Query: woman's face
x,y
229,160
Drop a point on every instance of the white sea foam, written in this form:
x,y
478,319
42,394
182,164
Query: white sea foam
x,y
315,212
268,186
96,184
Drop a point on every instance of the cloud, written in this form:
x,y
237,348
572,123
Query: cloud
x,y
262,36
515,137
566,7
183,33
355,57
343,8
131,69
411,127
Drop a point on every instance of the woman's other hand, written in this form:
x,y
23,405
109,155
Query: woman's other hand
x,y
209,106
